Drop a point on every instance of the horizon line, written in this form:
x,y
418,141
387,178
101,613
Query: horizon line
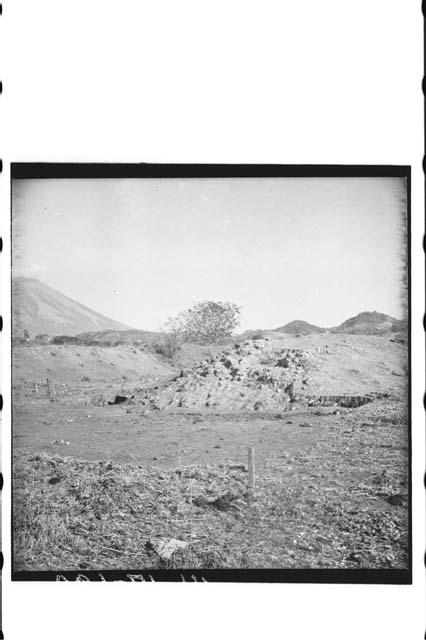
x,y
127,327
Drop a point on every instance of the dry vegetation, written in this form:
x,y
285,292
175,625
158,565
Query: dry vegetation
x,y
335,501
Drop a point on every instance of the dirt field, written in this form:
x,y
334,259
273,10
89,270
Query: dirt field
x,y
96,485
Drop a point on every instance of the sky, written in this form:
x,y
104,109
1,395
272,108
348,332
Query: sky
x,y
142,250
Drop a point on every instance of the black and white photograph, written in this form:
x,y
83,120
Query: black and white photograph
x,y
212,374
212,345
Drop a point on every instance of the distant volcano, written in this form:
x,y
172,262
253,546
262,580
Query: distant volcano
x,y
38,308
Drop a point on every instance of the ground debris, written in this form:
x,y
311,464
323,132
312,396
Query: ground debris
x,y
120,399
328,508
396,500
165,548
239,467
222,502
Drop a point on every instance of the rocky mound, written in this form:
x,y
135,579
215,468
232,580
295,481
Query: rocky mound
x,y
277,374
254,375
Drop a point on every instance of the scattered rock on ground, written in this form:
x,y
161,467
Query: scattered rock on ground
x,y
165,548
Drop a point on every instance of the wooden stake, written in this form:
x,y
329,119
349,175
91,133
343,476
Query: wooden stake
x,y
51,391
251,474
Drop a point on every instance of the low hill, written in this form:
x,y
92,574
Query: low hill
x,y
370,323
38,308
299,326
365,323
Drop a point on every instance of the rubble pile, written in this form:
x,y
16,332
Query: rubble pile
x,y
254,375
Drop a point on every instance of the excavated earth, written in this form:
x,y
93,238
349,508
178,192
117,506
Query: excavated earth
x,y
265,375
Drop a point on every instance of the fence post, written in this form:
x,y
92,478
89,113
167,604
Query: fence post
x,y
251,474
51,391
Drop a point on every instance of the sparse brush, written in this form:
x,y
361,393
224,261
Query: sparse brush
x,y
168,347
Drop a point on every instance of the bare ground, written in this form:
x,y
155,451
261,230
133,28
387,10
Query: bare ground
x,y
97,486
323,484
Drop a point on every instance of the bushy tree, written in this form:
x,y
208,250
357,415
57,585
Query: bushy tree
x,y
205,322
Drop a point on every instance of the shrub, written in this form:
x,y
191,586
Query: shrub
x,y
65,340
168,347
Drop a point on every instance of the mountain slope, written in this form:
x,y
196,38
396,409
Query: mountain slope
x,y
39,308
